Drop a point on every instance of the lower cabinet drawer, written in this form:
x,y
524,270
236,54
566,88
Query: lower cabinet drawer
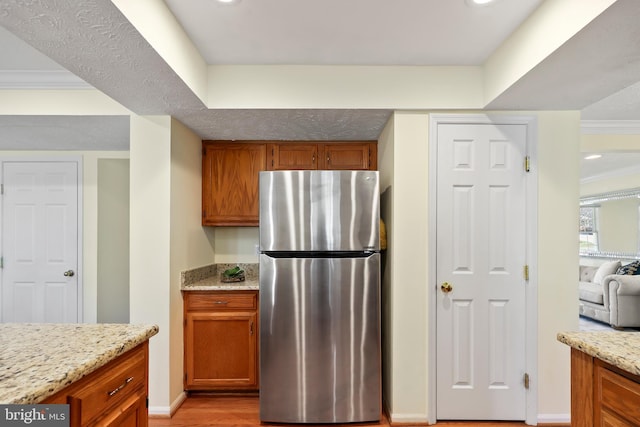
x,y
109,389
220,301
618,395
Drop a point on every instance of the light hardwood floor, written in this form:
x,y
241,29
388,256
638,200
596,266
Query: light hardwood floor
x,y
232,411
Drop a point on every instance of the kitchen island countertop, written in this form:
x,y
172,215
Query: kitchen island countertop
x,y
620,349
39,359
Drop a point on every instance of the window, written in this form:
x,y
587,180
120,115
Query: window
x,y
589,229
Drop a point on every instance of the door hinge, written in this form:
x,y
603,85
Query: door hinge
x,y
147,404
526,273
1,189
527,164
1,262
526,381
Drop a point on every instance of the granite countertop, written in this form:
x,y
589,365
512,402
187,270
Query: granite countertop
x,y
39,359
620,349
207,278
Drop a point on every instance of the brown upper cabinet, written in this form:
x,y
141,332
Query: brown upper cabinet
x,y
230,182
362,155
230,171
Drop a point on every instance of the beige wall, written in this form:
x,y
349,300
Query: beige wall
x,y
403,154
150,207
191,244
236,245
558,189
113,241
166,238
90,213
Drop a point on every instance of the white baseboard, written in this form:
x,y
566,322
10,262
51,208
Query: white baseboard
x,y
554,418
167,411
408,418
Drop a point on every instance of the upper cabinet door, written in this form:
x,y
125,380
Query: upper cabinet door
x,y
348,156
230,182
293,156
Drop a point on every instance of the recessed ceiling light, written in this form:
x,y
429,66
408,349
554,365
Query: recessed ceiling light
x,y
479,2
593,156
228,1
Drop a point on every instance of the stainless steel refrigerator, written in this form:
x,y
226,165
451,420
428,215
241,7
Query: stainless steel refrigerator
x,y
319,297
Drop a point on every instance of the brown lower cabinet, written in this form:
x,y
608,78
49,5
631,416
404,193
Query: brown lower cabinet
x,y
114,395
602,394
220,340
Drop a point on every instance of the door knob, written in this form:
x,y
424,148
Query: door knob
x,y
446,287
69,273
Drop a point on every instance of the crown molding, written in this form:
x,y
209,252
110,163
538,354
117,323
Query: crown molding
x,y
610,127
35,79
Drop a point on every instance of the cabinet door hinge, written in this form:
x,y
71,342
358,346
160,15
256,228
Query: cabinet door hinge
x,y
526,273
526,381
527,164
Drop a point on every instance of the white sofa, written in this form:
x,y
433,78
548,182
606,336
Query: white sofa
x,y
609,297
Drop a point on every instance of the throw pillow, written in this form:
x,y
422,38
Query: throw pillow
x,y
606,269
632,269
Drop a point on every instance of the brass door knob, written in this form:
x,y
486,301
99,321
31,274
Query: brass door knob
x,y
446,287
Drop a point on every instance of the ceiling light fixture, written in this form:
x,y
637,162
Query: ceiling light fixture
x,y
593,156
479,2
228,1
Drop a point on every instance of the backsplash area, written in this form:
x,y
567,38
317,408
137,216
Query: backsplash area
x,y
190,277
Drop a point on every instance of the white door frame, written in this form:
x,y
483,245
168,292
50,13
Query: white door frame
x,y
53,159
531,316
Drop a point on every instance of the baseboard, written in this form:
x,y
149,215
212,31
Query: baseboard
x,y
167,411
407,419
554,419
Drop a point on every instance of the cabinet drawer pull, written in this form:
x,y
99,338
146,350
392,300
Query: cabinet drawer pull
x,y
127,381
221,302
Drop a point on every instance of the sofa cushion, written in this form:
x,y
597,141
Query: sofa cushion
x,y
592,292
632,269
587,273
606,269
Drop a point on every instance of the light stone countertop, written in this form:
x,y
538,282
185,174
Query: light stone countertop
x,y
620,349
207,278
39,359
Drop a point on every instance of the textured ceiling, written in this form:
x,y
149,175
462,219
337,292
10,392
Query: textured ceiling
x,y
95,42
64,133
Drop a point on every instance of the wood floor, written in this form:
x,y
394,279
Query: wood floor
x,y
232,411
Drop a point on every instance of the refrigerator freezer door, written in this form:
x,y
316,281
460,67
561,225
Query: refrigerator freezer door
x,y
319,211
320,339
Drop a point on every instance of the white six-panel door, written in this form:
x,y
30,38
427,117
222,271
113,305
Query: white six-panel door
x,y
481,254
40,242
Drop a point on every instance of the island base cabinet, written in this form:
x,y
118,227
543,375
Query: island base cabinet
x,y
601,394
113,395
221,345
